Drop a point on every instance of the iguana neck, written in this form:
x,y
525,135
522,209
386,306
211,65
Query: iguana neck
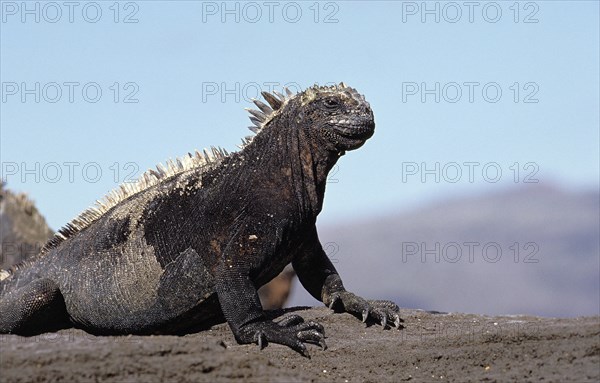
x,y
316,163
302,164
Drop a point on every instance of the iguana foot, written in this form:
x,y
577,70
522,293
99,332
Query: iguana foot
x,y
384,312
292,331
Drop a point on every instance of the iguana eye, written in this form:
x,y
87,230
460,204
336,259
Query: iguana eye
x,y
331,103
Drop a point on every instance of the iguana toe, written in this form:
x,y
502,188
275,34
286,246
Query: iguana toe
x,y
384,312
314,337
292,331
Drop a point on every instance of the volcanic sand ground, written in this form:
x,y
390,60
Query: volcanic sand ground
x,y
432,347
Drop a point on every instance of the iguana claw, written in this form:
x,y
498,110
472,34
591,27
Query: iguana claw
x,y
381,311
291,331
261,340
397,321
334,300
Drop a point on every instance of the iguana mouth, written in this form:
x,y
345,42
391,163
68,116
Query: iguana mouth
x,y
353,136
362,130
356,132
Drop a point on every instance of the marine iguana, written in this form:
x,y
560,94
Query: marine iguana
x,y
190,243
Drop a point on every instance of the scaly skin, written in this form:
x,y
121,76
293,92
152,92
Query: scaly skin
x,y
194,247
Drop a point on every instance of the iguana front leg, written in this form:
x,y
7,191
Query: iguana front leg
x,y
319,277
241,306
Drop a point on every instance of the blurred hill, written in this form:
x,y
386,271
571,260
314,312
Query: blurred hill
x,y
460,255
23,230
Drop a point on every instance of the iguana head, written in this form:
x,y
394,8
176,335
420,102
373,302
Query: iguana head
x,y
337,115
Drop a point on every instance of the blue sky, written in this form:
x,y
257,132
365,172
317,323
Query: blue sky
x,y
192,66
